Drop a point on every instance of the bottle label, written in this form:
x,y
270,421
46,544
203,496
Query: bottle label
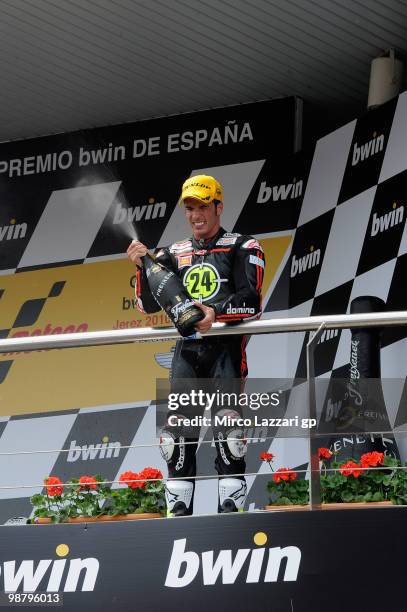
x,y
163,282
179,311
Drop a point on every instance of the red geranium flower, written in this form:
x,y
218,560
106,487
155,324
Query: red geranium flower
x,y
324,453
372,459
150,473
350,468
53,485
267,457
132,480
87,483
284,474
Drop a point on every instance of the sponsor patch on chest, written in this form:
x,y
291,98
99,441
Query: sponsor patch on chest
x,y
184,260
181,247
227,238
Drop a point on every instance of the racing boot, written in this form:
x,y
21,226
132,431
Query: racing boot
x,y
232,493
179,495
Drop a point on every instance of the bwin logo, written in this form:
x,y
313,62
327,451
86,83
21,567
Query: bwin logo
x,y
152,210
279,192
368,149
30,576
14,231
302,264
385,222
88,452
247,562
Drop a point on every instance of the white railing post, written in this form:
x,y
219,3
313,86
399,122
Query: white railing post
x,y
314,481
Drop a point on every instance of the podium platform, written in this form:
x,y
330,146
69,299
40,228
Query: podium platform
x,y
262,561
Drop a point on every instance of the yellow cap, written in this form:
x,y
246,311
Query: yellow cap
x,y
203,188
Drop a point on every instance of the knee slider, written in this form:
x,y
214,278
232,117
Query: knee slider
x,y
237,443
231,433
173,450
167,445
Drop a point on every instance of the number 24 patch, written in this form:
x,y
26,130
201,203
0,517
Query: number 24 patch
x,y
203,282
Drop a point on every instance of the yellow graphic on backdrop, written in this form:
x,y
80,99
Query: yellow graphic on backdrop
x,y
93,297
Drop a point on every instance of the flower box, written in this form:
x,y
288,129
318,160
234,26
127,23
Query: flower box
x,y
357,505
89,500
105,518
376,480
333,506
287,507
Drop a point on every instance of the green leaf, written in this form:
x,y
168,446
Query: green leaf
x,y
285,501
38,499
378,496
347,496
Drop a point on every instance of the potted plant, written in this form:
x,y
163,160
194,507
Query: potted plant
x,y
371,480
49,507
398,487
363,481
77,500
286,490
142,497
89,499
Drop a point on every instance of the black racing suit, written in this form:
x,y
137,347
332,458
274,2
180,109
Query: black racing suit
x,y
225,273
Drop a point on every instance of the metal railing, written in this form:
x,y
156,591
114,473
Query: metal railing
x,y
149,334
265,326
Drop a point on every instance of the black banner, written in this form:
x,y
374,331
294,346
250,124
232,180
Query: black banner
x,y
71,196
268,562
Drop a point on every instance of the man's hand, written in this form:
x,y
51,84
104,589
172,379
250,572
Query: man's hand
x,y
135,251
206,323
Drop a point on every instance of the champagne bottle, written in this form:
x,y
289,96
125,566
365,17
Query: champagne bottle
x,y
171,296
364,408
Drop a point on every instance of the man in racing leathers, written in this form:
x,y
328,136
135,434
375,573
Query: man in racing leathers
x,y
223,272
